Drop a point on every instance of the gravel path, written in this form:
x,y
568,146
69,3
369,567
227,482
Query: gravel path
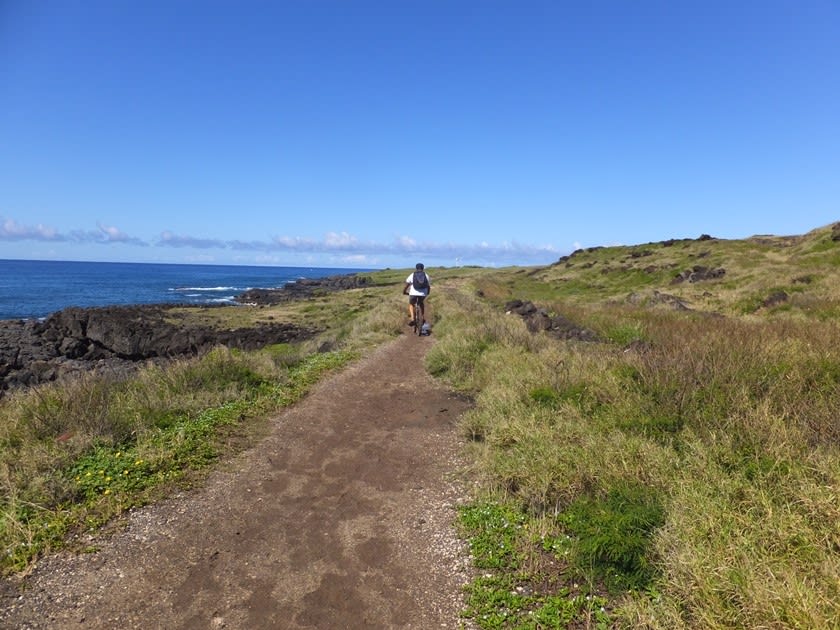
x,y
341,518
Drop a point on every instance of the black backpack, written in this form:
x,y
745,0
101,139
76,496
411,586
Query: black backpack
x,y
420,281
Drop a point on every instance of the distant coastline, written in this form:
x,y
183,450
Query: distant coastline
x,y
34,289
116,338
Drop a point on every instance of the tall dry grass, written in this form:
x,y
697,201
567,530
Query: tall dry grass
x,y
77,453
754,525
726,429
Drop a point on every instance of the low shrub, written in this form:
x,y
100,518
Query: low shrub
x,y
612,534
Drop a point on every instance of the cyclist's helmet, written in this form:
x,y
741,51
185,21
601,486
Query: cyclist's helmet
x,y
419,266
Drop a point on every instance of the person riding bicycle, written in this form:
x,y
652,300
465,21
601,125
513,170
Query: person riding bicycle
x,y
417,287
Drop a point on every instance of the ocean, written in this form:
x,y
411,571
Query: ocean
x,y
35,288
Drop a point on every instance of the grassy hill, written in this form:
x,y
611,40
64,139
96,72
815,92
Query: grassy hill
x,y
804,267
681,471
658,446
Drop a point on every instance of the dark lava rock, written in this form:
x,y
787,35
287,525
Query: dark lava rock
x,y
113,339
537,320
117,338
699,273
775,298
306,287
520,308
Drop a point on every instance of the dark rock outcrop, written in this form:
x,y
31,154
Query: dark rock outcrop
x,y
775,298
306,287
657,298
538,320
115,338
577,252
699,273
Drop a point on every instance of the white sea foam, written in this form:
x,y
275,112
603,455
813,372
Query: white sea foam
x,y
181,289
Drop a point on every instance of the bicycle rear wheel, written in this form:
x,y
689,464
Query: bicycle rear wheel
x,y
419,308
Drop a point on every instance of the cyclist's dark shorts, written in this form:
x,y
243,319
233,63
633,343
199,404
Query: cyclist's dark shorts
x,y
416,299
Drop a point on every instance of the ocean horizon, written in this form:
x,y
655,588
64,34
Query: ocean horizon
x,y
31,289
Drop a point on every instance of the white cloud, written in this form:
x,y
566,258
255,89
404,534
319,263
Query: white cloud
x,y
111,234
169,239
341,246
285,243
247,246
11,230
342,241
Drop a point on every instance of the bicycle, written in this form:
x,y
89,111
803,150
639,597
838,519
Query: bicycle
x,y
419,312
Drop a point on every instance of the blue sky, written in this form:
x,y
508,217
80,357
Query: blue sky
x,y
377,134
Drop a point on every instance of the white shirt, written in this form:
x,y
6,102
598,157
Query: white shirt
x,y
412,290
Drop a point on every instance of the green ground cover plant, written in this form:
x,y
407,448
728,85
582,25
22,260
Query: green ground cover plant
x,y
519,592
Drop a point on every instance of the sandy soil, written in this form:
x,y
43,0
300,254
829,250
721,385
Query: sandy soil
x,y
341,518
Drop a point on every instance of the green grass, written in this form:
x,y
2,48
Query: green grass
x,y
683,472
77,454
613,535
87,480
689,481
516,594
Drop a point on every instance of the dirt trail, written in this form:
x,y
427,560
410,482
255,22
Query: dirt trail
x,y
340,518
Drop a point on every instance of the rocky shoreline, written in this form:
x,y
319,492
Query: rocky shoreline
x,y
304,288
115,339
